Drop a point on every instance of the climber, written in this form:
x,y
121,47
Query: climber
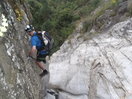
x,y
38,50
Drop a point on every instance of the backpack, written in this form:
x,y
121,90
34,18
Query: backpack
x,y
46,39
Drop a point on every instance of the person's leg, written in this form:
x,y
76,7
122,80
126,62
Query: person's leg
x,y
40,64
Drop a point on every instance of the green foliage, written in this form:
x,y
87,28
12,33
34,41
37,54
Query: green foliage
x,y
89,6
87,25
91,19
57,16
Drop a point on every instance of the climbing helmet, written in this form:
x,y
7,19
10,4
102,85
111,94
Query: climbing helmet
x,y
29,28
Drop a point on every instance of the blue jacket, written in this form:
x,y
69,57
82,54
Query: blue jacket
x,y
35,41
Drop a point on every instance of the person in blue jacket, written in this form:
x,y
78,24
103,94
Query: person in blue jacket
x,y
37,52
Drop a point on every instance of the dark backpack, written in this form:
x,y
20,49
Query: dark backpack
x,y
46,39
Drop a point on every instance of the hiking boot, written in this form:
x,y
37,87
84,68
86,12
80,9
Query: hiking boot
x,y
45,72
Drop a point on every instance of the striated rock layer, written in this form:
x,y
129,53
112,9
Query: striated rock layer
x,y
18,79
96,68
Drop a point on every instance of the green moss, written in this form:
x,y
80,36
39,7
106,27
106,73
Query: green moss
x,y
16,8
18,14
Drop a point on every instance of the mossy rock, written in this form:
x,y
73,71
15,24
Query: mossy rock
x,y
16,8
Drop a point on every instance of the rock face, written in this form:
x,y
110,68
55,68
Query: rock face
x,y
96,68
18,79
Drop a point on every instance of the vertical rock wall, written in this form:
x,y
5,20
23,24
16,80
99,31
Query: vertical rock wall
x,y
18,77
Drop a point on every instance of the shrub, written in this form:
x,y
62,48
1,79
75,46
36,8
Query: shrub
x,y
130,7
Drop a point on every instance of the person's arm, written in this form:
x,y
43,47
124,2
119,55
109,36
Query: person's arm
x,y
33,52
